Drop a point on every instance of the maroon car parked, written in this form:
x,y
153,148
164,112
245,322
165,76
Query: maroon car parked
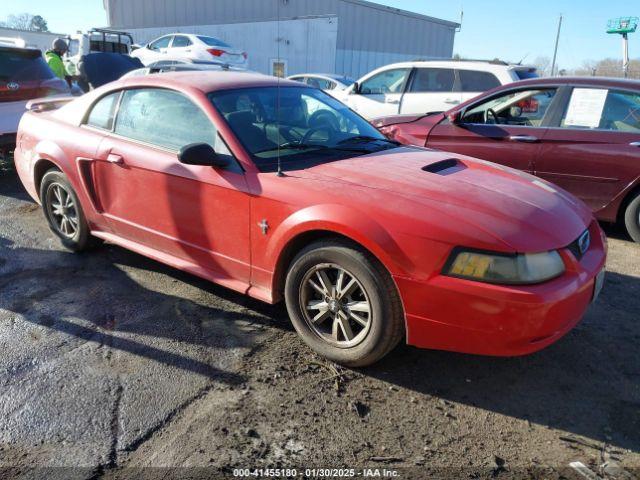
x,y
582,134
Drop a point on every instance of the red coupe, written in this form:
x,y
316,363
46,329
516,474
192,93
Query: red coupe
x,y
277,190
582,134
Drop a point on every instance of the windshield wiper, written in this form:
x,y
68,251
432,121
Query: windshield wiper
x,y
366,138
294,146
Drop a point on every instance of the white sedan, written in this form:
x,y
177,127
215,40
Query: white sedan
x,y
186,46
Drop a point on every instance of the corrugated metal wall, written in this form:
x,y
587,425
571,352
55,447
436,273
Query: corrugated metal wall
x,y
369,34
39,40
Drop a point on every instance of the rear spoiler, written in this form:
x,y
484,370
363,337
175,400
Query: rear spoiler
x,y
48,103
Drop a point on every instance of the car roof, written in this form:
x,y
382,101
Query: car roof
x,y
592,81
460,64
209,81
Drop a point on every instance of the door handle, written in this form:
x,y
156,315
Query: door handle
x,y
452,101
392,101
635,144
523,138
115,159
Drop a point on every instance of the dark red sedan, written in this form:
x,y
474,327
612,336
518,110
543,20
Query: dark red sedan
x,y
582,134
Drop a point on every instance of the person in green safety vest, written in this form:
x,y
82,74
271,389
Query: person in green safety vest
x,y
54,58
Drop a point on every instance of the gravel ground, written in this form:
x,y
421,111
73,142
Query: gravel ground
x,y
115,366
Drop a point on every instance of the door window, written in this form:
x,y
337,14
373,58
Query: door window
x,y
180,41
521,107
320,83
163,118
475,81
389,81
162,42
602,109
101,115
432,80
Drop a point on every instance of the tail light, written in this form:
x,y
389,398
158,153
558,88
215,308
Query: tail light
x,y
216,52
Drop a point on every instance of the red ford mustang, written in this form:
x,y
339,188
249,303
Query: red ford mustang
x,y
278,190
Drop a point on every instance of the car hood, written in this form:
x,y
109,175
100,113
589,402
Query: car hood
x,y
521,211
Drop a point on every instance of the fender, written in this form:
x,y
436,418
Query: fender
x,y
345,221
45,150
611,210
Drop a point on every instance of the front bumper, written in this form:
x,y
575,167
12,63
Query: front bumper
x,y
460,315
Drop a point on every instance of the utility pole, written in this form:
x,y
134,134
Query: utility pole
x,y
555,50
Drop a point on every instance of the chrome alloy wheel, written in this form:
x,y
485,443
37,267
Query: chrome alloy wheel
x,y
62,210
335,305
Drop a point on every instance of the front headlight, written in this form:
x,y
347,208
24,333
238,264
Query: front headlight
x,y
494,267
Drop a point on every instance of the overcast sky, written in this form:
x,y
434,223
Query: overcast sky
x,y
510,30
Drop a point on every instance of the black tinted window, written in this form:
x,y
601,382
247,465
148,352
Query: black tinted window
x,y
473,81
101,115
529,73
213,42
180,41
432,80
20,65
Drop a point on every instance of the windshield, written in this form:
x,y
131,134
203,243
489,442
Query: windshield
x,y
21,65
304,126
214,42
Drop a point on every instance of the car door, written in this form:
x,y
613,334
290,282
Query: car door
x,y
594,150
380,94
197,214
157,50
430,90
180,48
505,128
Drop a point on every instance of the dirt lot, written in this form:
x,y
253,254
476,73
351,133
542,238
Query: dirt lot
x,y
114,366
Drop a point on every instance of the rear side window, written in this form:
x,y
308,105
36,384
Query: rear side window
x,y
101,115
528,73
321,83
433,80
592,108
21,65
474,81
180,41
163,118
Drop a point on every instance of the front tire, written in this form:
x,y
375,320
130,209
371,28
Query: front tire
x,y
632,219
64,213
343,303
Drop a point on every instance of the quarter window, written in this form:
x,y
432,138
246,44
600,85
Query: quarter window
x,y
101,115
433,80
475,81
163,118
591,108
389,81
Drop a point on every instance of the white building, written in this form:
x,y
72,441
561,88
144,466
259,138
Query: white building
x,y
349,37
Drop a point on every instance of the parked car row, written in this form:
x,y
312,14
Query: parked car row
x,y
582,134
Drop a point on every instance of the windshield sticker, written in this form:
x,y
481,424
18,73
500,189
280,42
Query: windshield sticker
x,y
585,107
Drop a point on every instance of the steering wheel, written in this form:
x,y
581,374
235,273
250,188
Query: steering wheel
x,y
490,112
323,118
323,128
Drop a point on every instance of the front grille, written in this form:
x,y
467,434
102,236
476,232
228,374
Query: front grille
x,y
580,245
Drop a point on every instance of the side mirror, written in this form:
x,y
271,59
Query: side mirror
x,y
201,154
356,88
455,117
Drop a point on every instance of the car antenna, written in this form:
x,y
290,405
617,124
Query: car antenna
x,y
280,172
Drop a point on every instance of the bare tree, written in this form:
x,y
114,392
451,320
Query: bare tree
x,y
543,65
26,21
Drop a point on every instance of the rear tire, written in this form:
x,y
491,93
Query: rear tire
x,y
343,303
64,213
632,219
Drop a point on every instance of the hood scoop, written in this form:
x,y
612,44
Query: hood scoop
x,y
445,167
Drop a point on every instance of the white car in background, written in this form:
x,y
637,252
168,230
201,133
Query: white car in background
x,y
427,86
186,46
324,81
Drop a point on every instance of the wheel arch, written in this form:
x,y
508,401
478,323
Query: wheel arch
x,y
40,168
633,192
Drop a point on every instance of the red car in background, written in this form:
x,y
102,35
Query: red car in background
x,y
277,190
582,134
